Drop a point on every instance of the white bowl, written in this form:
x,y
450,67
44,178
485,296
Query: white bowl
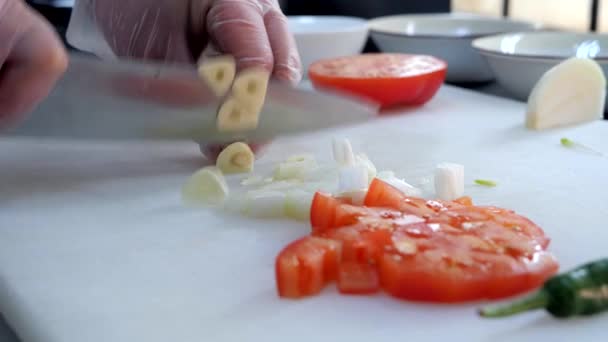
x,y
446,36
520,60
320,37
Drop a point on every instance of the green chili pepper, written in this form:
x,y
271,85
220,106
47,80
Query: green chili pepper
x,y
582,291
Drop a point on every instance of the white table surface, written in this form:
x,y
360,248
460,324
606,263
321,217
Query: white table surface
x,y
152,259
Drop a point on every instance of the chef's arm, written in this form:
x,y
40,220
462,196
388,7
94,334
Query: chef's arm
x,y
255,32
32,58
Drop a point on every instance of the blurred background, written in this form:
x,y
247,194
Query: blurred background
x,y
575,15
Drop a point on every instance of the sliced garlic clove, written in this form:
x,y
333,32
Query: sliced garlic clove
x,y
236,158
250,87
234,116
218,73
206,186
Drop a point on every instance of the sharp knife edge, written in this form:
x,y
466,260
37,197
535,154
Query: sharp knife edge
x,y
112,100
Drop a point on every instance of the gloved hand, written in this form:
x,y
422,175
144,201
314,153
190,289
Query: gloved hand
x,y
255,32
32,59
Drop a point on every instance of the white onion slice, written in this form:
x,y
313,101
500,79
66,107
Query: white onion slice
x,y
343,152
363,160
449,181
352,178
403,186
382,175
265,204
356,197
297,204
294,169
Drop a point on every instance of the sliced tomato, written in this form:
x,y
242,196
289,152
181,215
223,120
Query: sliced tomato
x,y
305,266
420,250
328,212
361,243
323,210
358,278
435,276
389,79
465,200
383,195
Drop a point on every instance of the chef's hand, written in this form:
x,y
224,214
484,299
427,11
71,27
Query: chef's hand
x,y
32,59
255,32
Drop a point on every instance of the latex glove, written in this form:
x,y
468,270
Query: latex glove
x,y
32,59
255,32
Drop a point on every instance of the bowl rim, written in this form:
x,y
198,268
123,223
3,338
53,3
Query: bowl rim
x,y
357,24
532,26
536,57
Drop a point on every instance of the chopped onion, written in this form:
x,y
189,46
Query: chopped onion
x,y
362,160
320,174
298,158
297,204
406,188
343,152
352,178
356,197
325,186
252,181
294,169
280,185
265,204
449,181
385,175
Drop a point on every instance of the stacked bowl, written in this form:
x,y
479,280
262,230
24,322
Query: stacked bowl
x,y
477,49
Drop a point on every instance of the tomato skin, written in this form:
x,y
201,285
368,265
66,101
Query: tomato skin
x,y
328,212
305,266
389,90
360,243
416,249
465,200
358,279
425,279
322,211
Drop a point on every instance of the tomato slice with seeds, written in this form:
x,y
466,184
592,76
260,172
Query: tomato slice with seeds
x,y
358,278
390,79
328,212
421,250
305,266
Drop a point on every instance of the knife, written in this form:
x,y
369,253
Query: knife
x,y
127,99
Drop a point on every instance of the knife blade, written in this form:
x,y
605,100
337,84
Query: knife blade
x,y
128,99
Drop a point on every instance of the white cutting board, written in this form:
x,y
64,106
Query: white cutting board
x,y
95,245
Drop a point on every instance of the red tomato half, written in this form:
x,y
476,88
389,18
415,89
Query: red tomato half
x,y
387,79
